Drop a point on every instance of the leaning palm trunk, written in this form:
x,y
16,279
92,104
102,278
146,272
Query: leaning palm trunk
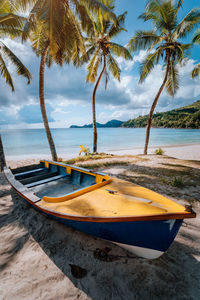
x,y
2,156
94,108
154,106
42,103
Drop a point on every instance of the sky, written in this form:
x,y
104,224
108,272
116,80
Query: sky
x,y
69,97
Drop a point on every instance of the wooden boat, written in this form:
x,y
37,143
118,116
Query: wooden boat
x,y
136,218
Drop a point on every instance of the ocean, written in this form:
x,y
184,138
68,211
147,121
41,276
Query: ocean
x,y
33,141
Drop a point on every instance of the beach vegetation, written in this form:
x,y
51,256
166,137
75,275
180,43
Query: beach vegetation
x,y
159,151
84,150
163,44
177,182
101,51
183,117
11,25
103,164
90,156
196,40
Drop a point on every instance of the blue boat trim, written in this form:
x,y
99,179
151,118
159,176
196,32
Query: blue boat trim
x,y
156,235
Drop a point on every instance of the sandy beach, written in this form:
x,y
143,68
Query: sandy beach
x,y
38,256
189,152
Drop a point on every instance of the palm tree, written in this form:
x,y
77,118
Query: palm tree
x,y
57,37
100,51
10,25
196,71
41,46
163,44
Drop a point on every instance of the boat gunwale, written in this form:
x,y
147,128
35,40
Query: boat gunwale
x,y
166,216
87,171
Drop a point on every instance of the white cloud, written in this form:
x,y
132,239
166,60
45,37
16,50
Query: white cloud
x,y
68,94
127,65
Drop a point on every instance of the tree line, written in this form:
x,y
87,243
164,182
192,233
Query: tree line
x,y
82,32
185,117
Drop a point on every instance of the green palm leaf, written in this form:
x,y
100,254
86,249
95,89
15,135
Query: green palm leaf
x,y
20,68
196,71
115,30
94,6
188,23
91,73
172,84
5,73
196,38
147,66
113,67
120,51
144,40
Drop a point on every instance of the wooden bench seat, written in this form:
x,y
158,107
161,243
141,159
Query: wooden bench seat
x,y
27,173
32,184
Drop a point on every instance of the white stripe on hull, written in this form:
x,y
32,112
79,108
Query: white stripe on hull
x,y
141,252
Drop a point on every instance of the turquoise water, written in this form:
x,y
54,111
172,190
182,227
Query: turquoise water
x,y
33,141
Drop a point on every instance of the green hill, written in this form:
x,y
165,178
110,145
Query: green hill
x,y
184,117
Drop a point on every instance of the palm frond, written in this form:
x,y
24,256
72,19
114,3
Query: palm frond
x,y
183,52
172,84
113,67
145,40
11,24
84,58
120,51
83,15
23,4
20,68
5,73
178,6
95,6
188,23
147,66
91,74
116,29
196,38
30,24
156,12
196,71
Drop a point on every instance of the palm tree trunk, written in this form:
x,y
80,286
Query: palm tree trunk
x,y
94,108
154,106
42,103
2,156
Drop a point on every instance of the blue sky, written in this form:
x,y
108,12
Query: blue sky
x,y
68,96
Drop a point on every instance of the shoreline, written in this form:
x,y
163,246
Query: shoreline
x,y
184,151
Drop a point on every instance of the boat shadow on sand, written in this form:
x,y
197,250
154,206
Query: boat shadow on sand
x,y
107,271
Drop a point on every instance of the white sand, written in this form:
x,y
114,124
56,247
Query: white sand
x,y
36,252
188,152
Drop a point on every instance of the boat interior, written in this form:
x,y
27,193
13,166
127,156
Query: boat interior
x,y
76,191
55,180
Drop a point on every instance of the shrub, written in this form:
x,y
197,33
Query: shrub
x,y
159,151
84,150
177,182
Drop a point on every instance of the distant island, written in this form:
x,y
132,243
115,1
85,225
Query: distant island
x,y
184,117
109,124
